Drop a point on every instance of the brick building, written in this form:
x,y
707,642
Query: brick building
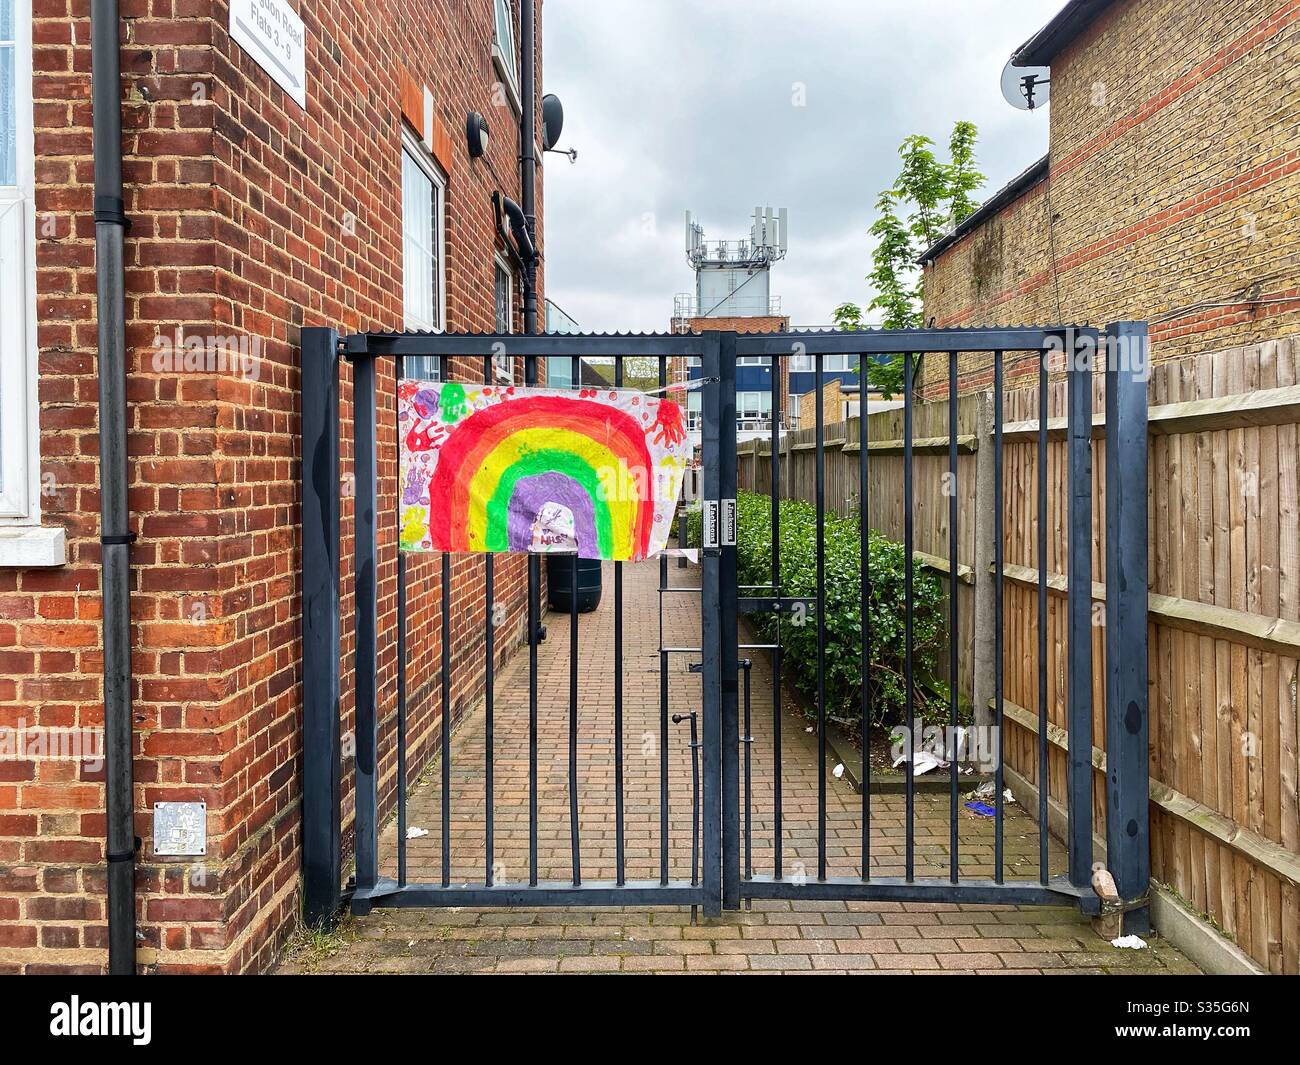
x,y
1169,193
251,217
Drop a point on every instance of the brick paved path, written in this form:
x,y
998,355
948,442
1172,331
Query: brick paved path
x,y
774,936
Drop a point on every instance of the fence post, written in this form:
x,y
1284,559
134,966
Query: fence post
x,y
1079,606
1128,831
320,626
983,663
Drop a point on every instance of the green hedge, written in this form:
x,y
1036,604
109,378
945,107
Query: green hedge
x,y
843,676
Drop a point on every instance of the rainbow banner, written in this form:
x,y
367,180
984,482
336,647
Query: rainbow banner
x,y
504,468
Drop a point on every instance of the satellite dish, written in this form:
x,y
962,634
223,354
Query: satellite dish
x,y
1026,88
552,120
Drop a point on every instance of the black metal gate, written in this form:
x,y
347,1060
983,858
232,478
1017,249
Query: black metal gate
x,y
721,873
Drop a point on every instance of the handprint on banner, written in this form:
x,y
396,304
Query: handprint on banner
x,y
668,424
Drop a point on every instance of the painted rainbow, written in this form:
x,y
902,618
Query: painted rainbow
x,y
505,468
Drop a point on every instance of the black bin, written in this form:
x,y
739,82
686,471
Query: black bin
x,y
559,582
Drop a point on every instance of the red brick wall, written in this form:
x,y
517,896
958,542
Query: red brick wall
x,y
1175,171
253,219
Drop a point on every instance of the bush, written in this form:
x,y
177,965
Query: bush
x,y
798,636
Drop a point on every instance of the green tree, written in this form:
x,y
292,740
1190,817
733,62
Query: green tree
x,y
927,198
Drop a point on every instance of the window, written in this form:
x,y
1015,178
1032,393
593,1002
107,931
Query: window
x,y
753,409
23,542
503,51
559,371
830,363
504,296
694,409
424,290
754,360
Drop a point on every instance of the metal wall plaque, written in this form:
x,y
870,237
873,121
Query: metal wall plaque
x,y
180,828
273,34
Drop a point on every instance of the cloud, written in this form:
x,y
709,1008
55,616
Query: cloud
x,y
717,108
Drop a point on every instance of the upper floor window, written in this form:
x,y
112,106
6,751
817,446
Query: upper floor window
x,y
559,371
8,94
753,406
26,542
830,363
424,289
503,49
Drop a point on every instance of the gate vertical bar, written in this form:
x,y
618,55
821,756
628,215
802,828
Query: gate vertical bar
x,y
399,368
534,620
575,843
711,629
748,740
777,373
489,682
729,680
819,478
1079,605
953,662
321,846
619,849
664,828
908,564
1044,779
1128,832
366,597
445,729
998,633
864,608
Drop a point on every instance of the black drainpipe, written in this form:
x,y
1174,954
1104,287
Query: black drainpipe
x,y
115,535
528,152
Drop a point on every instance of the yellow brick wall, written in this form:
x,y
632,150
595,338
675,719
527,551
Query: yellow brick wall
x,y
1175,143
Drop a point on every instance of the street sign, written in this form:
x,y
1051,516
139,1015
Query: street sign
x,y
273,34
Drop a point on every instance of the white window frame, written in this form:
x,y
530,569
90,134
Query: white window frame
x,y
504,56
23,540
503,365
694,410
757,416
426,367
833,363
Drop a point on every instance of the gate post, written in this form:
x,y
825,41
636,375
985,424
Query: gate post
x,y
1127,819
320,626
728,630
1082,357
711,632
366,604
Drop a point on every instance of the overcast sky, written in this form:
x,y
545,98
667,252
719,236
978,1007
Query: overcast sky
x,y
718,107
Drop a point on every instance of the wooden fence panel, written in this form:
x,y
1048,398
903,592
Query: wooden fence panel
x,y
1224,476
